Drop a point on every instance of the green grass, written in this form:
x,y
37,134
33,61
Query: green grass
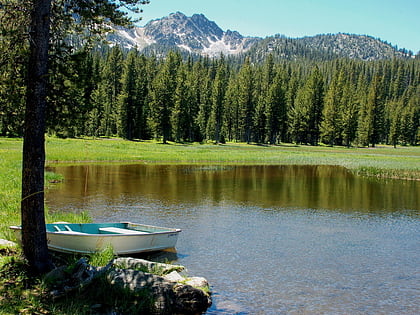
x,y
10,182
102,258
10,189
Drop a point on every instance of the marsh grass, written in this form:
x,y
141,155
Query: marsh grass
x,y
53,178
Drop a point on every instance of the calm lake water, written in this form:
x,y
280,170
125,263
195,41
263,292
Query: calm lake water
x,y
270,239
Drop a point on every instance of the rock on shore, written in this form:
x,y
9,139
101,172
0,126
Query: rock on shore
x,y
171,292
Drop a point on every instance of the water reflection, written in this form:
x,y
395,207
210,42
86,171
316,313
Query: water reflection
x,y
270,239
317,187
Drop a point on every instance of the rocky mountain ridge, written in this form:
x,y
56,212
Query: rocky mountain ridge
x,y
200,36
195,34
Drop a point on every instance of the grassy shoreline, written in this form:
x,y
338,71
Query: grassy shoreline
x,y
23,294
381,162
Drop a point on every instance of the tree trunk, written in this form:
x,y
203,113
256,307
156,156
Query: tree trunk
x,y
34,240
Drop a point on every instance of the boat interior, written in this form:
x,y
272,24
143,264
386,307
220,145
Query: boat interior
x,y
102,228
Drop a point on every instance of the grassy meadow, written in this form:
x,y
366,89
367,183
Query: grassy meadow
x,y
382,161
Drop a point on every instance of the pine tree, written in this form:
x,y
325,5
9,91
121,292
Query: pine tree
x,y
14,22
215,122
180,118
231,115
261,89
348,116
290,96
246,102
143,79
276,112
111,85
307,111
316,93
399,80
93,117
95,125
333,107
149,72
410,117
299,117
204,109
376,105
127,101
259,120
71,88
162,100
394,112
371,115
195,78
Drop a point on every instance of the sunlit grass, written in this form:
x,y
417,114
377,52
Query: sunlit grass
x,y
10,185
10,189
102,258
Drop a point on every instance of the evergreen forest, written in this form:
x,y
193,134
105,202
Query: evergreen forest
x,y
107,92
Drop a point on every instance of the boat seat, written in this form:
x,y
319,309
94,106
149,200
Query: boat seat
x,y
71,232
115,230
67,231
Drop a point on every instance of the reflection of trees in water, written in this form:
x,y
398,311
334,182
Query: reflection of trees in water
x,y
298,186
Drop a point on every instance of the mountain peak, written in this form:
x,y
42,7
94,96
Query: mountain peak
x,y
178,14
199,16
195,34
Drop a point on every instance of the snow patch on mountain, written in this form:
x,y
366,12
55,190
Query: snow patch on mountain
x,y
222,46
185,47
130,38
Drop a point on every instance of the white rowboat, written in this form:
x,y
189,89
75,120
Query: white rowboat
x,y
124,237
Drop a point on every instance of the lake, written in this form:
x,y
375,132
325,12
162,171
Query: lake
x,y
269,239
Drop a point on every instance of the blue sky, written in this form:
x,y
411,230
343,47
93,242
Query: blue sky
x,y
396,21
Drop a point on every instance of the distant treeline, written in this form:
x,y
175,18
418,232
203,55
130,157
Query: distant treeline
x,y
126,94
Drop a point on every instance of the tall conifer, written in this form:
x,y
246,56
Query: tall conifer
x,y
162,96
127,100
215,122
246,100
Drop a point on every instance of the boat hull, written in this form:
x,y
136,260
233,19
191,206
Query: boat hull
x,y
124,238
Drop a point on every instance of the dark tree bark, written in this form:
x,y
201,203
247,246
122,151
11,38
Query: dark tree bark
x,y
34,240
